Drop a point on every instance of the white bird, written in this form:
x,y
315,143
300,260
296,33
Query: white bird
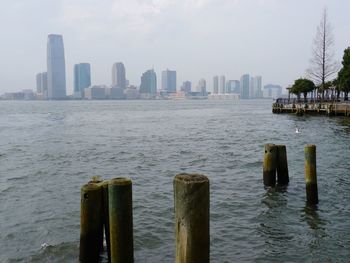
x,y
297,130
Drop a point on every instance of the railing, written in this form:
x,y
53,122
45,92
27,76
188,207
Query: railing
x,y
309,100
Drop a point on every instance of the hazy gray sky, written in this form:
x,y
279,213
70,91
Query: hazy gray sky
x,y
198,38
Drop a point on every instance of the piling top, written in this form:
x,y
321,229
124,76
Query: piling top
x,y
120,181
91,187
310,146
191,178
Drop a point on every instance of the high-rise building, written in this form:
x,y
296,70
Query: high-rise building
x,y
186,86
56,69
38,83
41,84
222,85
149,82
118,75
272,91
169,80
82,79
216,85
244,86
202,87
256,87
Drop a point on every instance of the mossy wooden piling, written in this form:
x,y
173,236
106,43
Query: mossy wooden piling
x,y
310,174
191,194
270,164
91,228
120,220
282,165
105,216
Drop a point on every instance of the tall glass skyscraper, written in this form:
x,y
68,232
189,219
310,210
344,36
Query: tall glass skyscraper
x,y
82,78
169,80
149,82
56,69
118,75
245,85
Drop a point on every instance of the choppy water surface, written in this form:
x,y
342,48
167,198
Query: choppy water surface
x,y
48,150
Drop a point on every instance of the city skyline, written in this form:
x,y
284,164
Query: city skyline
x,y
277,33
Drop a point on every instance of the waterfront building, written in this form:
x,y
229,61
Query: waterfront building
x,y
96,92
222,85
41,84
272,91
118,75
215,85
82,79
186,86
202,87
244,86
169,80
256,87
149,82
56,69
232,86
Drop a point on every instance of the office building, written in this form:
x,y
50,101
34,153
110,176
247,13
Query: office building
x,y
222,85
245,86
149,82
82,79
215,85
256,91
56,69
272,91
186,86
202,87
169,80
118,75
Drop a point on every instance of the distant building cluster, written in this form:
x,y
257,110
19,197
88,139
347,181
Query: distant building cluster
x,y
51,84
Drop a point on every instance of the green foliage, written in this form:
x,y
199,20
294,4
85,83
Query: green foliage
x,y
302,86
344,73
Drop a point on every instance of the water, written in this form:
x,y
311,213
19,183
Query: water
x,y
48,150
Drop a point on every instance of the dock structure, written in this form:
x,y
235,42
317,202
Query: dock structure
x,y
309,106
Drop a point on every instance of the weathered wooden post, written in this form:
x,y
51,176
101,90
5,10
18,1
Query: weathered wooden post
x,y
282,165
191,194
120,220
310,174
270,165
91,228
105,216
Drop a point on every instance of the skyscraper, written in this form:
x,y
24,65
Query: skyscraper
x,y
202,87
244,86
216,85
256,87
41,83
186,86
222,85
149,82
38,83
169,80
56,69
118,75
82,79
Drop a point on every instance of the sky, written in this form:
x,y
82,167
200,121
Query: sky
x,y
197,38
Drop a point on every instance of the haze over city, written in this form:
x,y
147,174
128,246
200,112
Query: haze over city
x,y
198,39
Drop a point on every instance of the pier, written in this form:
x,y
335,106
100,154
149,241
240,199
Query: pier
x,y
311,106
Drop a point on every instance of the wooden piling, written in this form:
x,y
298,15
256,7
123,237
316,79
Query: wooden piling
x,y
120,220
270,165
105,216
91,230
282,165
191,194
310,174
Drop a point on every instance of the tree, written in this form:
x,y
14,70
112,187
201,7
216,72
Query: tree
x,y
344,74
323,66
302,86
